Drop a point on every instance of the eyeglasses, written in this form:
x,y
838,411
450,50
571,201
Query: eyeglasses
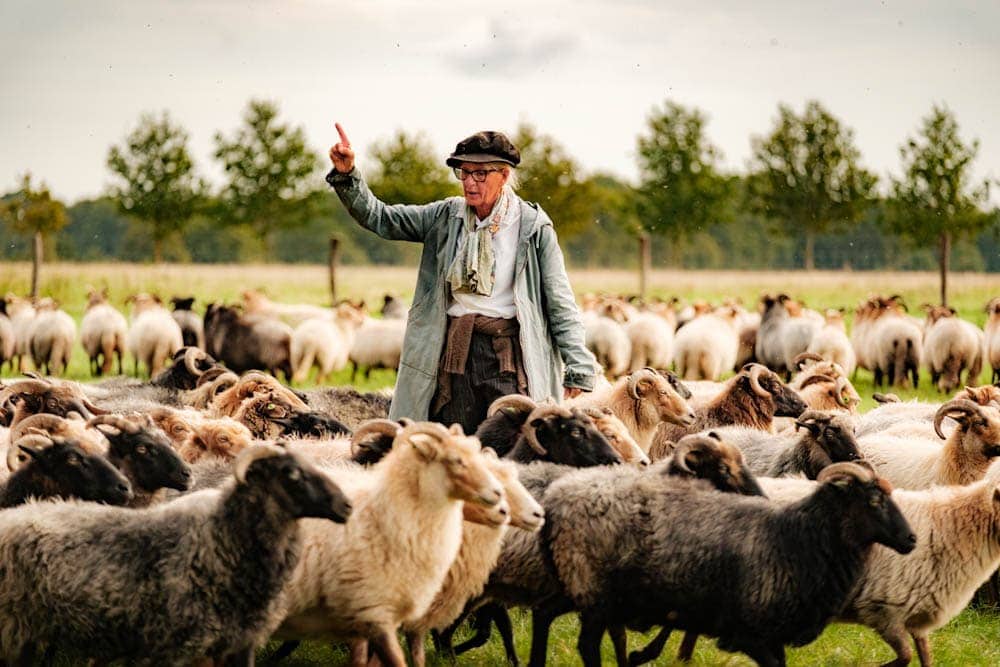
x,y
478,175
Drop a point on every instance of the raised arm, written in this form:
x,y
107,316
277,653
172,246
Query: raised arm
x,y
398,222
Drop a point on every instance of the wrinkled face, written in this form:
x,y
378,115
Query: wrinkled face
x,y
485,194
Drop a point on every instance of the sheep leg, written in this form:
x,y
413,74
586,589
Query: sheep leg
x,y
387,649
589,642
359,653
541,620
415,640
923,643
898,640
619,639
686,650
481,621
502,620
652,650
285,650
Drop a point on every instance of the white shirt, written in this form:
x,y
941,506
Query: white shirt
x,y
501,302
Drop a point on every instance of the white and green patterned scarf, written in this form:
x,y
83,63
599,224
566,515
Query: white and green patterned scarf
x,y
472,270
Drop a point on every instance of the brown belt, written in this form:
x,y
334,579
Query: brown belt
x,y
458,341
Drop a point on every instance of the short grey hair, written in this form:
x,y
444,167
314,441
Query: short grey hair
x,y
512,180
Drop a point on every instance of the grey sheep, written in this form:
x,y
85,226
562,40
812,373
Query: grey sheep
x,y
161,586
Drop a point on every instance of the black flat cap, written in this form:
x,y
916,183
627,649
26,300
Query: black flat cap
x,y
485,146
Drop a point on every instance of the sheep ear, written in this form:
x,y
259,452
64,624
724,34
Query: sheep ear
x,y
424,445
490,453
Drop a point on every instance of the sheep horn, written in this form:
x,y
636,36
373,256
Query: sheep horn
x,y
248,456
805,356
635,378
844,468
885,398
842,384
24,387
812,417
688,444
433,429
819,378
755,371
380,426
961,405
119,422
42,421
212,373
541,412
13,460
191,358
518,402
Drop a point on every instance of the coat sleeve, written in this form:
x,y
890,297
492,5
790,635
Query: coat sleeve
x,y
396,222
564,318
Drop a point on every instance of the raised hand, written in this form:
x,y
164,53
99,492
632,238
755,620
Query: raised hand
x,y
341,154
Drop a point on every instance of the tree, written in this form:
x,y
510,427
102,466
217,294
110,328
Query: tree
x,y
680,189
550,177
409,171
936,200
269,166
157,184
34,212
806,177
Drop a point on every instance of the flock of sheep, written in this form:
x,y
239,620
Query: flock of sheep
x,y
196,515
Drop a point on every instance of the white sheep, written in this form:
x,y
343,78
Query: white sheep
x,y
651,337
21,312
377,344
325,343
8,340
831,342
392,556
951,345
102,333
51,336
154,335
706,347
255,303
991,350
609,342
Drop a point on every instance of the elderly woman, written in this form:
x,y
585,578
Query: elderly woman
x,y
493,312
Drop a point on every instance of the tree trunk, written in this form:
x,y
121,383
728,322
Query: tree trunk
x,y
945,256
645,260
809,258
157,251
36,263
677,252
334,251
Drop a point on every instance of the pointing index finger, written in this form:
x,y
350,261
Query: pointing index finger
x,y
343,136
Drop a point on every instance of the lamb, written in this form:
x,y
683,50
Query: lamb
x,y
831,342
324,342
166,585
914,463
827,438
642,401
154,335
246,342
723,563
102,333
393,555
992,339
951,345
481,545
706,347
192,328
377,344
751,398
60,469
51,337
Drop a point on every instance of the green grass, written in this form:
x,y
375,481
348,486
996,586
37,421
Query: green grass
x,y
973,638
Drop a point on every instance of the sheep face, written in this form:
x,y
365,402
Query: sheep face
x,y
82,475
147,457
787,402
833,438
573,440
38,396
311,425
980,431
298,487
453,460
525,512
986,395
223,438
869,514
618,436
668,394
176,428
710,458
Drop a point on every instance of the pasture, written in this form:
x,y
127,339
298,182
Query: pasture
x,y
973,638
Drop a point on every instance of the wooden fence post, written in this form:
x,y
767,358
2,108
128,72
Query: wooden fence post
x,y
645,262
332,264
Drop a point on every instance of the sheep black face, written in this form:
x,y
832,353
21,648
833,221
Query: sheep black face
x,y
150,461
787,402
79,474
708,457
573,440
298,487
869,514
311,425
835,437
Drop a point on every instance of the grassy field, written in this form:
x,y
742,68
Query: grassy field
x,y
971,639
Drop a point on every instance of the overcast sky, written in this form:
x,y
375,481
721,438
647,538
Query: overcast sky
x,y
76,75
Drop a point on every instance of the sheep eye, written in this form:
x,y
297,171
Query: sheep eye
x,y
74,460
141,449
875,502
294,473
223,438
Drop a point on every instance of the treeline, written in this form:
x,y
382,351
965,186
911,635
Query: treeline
x,y
805,201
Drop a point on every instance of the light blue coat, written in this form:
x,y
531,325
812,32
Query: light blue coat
x,y
546,309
